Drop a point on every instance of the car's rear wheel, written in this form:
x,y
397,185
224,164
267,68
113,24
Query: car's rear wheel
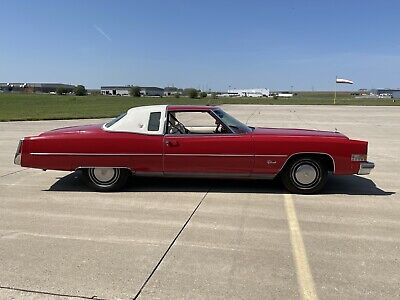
x,y
305,175
105,179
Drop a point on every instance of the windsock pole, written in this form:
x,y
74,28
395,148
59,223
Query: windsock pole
x,y
334,98
341,80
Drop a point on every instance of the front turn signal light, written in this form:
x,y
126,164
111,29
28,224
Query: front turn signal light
x,y
359,157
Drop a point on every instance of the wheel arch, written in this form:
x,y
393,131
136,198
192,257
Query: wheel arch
x,y
326,159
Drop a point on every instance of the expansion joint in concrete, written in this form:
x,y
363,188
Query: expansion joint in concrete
x,y
170,245
48,293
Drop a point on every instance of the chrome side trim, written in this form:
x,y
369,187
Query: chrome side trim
x,y
366,168
304,153
154,154
239,155
219,175
208,155
148,174
271,155
206,175
97,154
108,167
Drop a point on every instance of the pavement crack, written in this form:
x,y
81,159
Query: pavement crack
x,y
170,245
49,293
15,172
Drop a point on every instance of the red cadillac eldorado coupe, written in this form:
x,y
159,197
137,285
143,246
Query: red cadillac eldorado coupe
x,y
190,141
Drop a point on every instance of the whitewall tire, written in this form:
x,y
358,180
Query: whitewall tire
x,y
105,179
305,175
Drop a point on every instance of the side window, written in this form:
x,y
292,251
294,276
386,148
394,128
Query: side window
x,y
154,121
194,122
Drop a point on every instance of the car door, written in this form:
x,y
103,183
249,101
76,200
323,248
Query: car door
x,y
201,151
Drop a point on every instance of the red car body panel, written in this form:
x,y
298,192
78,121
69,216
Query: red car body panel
x,y
260,153
202,154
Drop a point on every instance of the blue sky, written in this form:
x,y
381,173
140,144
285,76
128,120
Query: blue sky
x,y
203,44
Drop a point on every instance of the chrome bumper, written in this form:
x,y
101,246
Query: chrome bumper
x,y
17,157
365,168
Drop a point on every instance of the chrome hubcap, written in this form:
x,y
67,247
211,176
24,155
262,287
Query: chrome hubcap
x,y
104,176
305,174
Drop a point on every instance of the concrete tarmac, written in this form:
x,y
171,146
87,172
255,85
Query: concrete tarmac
x,y
191,238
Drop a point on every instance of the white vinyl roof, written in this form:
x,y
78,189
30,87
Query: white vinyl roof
x,y
137,120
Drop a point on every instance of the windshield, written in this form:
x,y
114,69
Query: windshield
x,y
115,120
232,123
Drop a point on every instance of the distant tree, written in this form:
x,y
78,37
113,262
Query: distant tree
x,y
134,91
62,91
80,90
214,95
95,92
203,95
192,93
171,89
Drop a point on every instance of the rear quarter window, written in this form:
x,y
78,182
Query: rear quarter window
x,y
154,121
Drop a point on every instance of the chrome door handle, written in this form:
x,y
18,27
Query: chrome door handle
x,y
171,143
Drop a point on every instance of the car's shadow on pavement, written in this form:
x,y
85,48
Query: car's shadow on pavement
x,y
345,185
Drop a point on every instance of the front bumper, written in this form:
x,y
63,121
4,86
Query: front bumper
x,y
365,168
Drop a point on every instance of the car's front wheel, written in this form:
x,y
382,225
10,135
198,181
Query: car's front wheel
x,y
105,179
305,175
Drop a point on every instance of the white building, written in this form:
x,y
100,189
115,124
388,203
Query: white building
x,y
256,93
285,95
115,90
150,91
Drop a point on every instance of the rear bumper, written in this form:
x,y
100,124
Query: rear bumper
x,y
17,159
365,168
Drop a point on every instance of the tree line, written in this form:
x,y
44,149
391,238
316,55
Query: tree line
x,y
79,90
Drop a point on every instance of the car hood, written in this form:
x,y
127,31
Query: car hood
x,y
74,129
297,132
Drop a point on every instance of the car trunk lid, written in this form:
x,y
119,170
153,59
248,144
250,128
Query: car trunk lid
x,y
74,129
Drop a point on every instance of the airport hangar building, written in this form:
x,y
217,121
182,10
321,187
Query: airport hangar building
x,y
124,90
395,93
34,87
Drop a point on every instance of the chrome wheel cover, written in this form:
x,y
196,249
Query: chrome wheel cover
x,y
306,175
104,177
